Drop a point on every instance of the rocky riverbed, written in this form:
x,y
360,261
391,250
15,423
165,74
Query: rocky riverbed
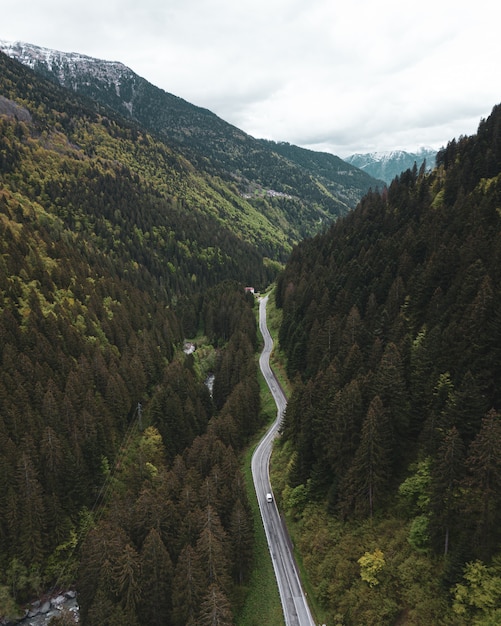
x,y
40,612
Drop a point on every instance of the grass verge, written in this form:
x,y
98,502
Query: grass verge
x,y
262,601
277,358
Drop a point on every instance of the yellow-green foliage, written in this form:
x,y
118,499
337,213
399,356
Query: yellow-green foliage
x,y
88,147
371,564
477,600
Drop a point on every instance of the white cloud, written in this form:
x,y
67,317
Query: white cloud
x,y
348,77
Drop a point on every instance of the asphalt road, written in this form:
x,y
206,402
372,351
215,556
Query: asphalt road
x,y
295,607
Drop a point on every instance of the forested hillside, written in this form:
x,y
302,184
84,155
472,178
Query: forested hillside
x,y
392,330
299,194
69,158
118,468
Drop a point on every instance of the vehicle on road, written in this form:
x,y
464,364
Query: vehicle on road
x,y
269,497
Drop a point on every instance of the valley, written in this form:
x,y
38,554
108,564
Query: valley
x,y
294,603
131,225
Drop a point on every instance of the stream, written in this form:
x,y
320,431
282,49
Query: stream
x,y
41,612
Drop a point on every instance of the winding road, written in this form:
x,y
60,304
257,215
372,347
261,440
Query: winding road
x,y
295,607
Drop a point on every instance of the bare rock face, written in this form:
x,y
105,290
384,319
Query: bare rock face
x,y
13,109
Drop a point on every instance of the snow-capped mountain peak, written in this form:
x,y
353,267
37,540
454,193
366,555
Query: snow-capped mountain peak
x,y
30,55
386,165
70,68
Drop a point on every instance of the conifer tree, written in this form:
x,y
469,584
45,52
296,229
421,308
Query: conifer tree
x,y
212,551
52,458
155,509
155,582
31,511
97,577
126,574
102,610
446,475
369,472
484,484
215,609
342,436
241,537
389,385
187,588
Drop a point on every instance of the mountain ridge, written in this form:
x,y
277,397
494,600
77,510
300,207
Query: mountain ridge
x,y
148,169
388,164
310,196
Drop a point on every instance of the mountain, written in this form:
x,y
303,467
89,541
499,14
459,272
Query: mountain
x,y
343,181
295,193
172,179
387,165
118,468
392,332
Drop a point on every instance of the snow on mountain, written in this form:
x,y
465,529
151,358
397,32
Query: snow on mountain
x,y
115,85
55,60
387,165
72,68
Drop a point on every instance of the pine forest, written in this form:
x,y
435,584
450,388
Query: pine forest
x,y
392,331
121,471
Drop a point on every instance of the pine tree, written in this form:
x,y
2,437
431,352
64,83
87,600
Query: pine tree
x,y
468,407
212,551
52,458
369,473
353,332
484,484
342,434
31,510
97,578
154,509
155,582
389,385
126,576
241,538
187,588
446,475
215,609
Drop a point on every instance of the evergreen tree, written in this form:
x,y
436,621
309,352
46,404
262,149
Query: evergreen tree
x,y
390,386
155,509
369,472
215,609
484,484
126,575
212,551
99,573
187,588
52,459
31,510
446,475
102,610
241,537
342,434
155,583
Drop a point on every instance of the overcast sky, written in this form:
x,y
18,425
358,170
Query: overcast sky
x,y
342,76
